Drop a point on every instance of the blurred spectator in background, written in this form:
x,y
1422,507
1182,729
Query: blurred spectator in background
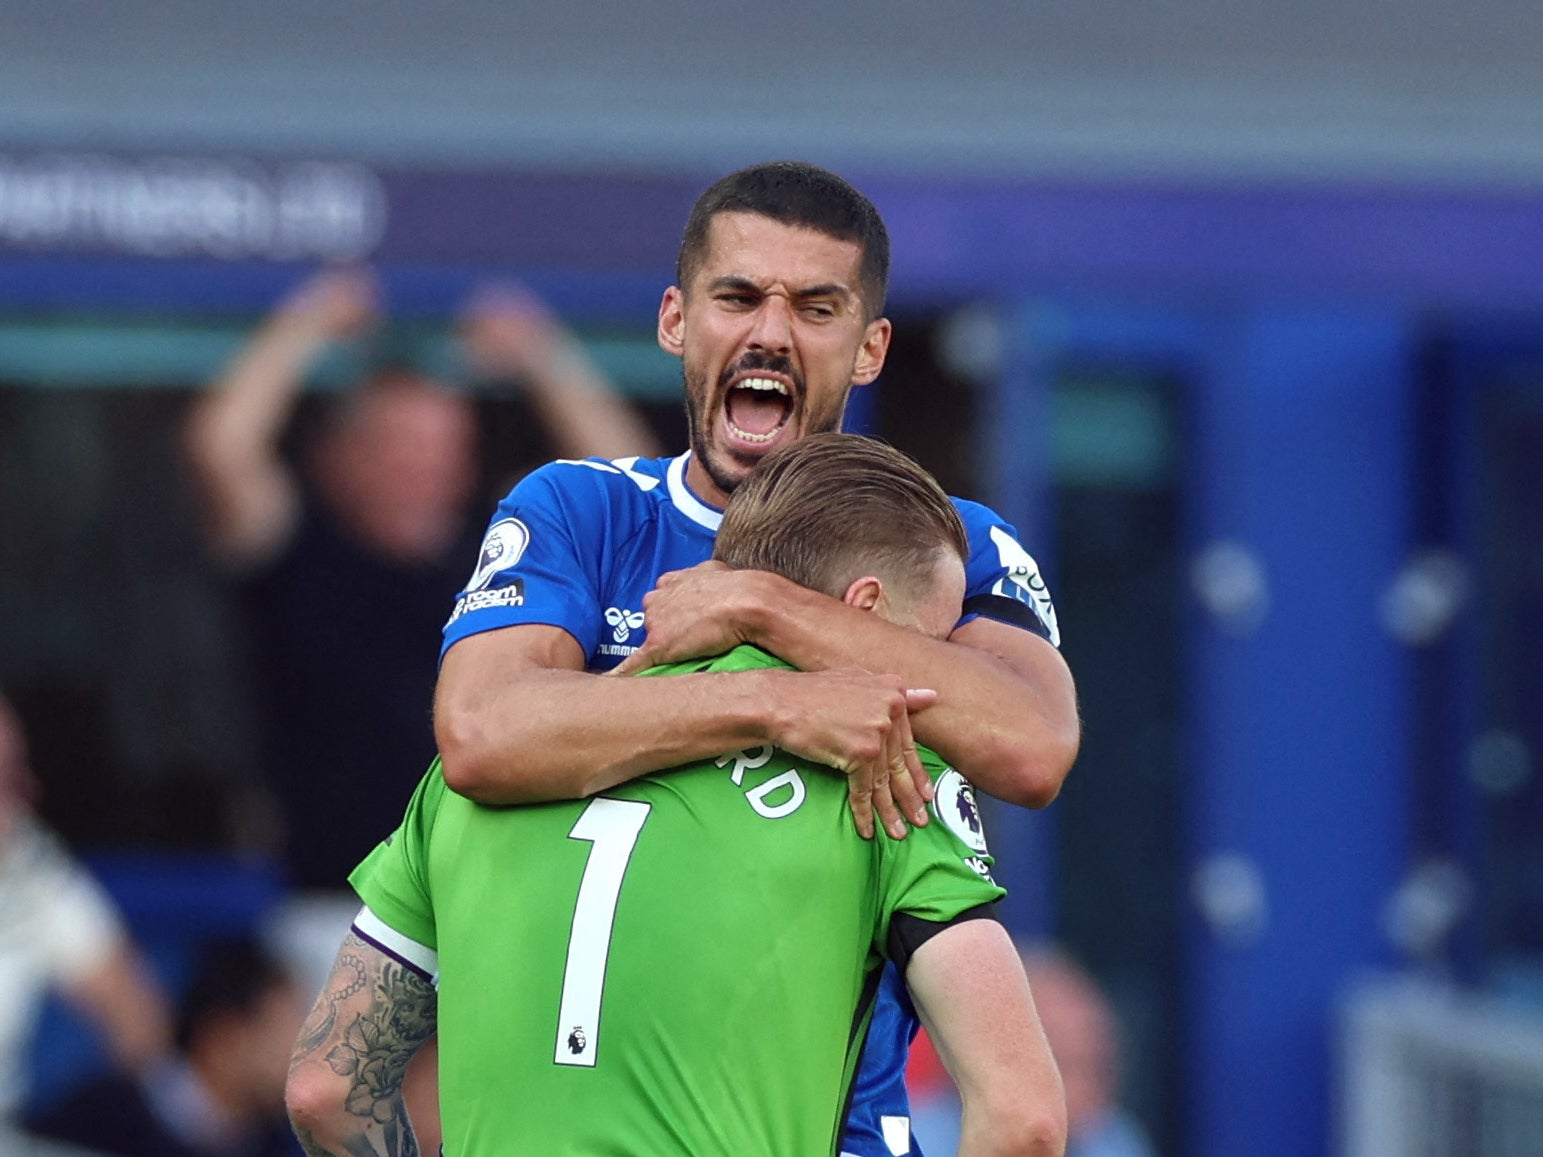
x,y
346,567
59,931
222,1093
1084,1035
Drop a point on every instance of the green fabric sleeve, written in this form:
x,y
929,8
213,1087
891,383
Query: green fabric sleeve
x,y
393,880
939,871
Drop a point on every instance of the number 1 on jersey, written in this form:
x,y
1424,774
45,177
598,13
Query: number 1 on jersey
x,y
611,828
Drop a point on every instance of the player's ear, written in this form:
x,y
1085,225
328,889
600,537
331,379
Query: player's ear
x,y
672,321
866,594
871,354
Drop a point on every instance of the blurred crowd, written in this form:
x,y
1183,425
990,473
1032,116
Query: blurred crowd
x,y
203,1078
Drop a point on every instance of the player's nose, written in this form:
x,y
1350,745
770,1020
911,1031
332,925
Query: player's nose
x,y
772,327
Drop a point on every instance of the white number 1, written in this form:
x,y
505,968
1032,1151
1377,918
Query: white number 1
x,y
611,827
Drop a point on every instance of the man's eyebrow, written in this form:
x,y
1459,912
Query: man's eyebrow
x,y
738,284
831,289
745,285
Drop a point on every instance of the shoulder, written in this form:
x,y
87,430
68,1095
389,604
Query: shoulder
x,y
954,802
979,519
993,540
589,493
1002,579
620,479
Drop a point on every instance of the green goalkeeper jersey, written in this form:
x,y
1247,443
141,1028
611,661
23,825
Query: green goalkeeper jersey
x,y
681,966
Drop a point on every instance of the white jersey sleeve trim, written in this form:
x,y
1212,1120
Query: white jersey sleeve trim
x,y
615,466
419,957
685,501
1023,582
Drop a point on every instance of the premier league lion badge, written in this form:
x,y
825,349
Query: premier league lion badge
x,y
505,542
954,804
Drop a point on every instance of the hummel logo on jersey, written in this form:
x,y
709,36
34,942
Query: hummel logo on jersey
x,y
622,623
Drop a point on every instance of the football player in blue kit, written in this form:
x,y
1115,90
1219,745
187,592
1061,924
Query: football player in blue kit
x,y
594,567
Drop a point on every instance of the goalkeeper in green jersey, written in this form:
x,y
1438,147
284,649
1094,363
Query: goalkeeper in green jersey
x,y
684,964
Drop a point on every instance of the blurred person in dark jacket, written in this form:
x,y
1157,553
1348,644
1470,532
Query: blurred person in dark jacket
x,y
347,565
221,1094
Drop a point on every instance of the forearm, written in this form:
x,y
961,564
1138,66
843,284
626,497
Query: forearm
x,y
249,500
544,734
246,408
1007,721
344,1091
971,993
126,1004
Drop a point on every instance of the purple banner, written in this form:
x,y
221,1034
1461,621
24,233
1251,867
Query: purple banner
x,y
249,223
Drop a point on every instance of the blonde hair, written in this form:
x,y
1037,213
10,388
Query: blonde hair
x,y
830,508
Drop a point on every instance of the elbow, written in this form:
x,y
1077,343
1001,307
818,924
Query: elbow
x,y
464,748
464,758
315,1101
206,445
1041,1134
465,779
1032,772
487,768
1026,1129
460,736
1050,772
1044,1131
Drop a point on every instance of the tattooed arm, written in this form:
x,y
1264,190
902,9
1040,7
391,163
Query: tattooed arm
x,y
345,1079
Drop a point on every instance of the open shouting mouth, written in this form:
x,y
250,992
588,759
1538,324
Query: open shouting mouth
x,y
757,408
760,398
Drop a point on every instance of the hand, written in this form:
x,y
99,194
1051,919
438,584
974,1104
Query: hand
x,y
509,332
694,613
339,302
859,723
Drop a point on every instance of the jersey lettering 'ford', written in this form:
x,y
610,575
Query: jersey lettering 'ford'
x,y
583,541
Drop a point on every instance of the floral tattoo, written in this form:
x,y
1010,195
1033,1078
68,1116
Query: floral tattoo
x,y
373,1051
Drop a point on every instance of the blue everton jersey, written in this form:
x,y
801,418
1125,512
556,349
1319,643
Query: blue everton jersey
x,y
577,544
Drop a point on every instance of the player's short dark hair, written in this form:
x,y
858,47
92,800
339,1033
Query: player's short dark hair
x,y
830,508
794,193
231,976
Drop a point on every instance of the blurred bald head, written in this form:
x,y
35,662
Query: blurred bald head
x,y
397,462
